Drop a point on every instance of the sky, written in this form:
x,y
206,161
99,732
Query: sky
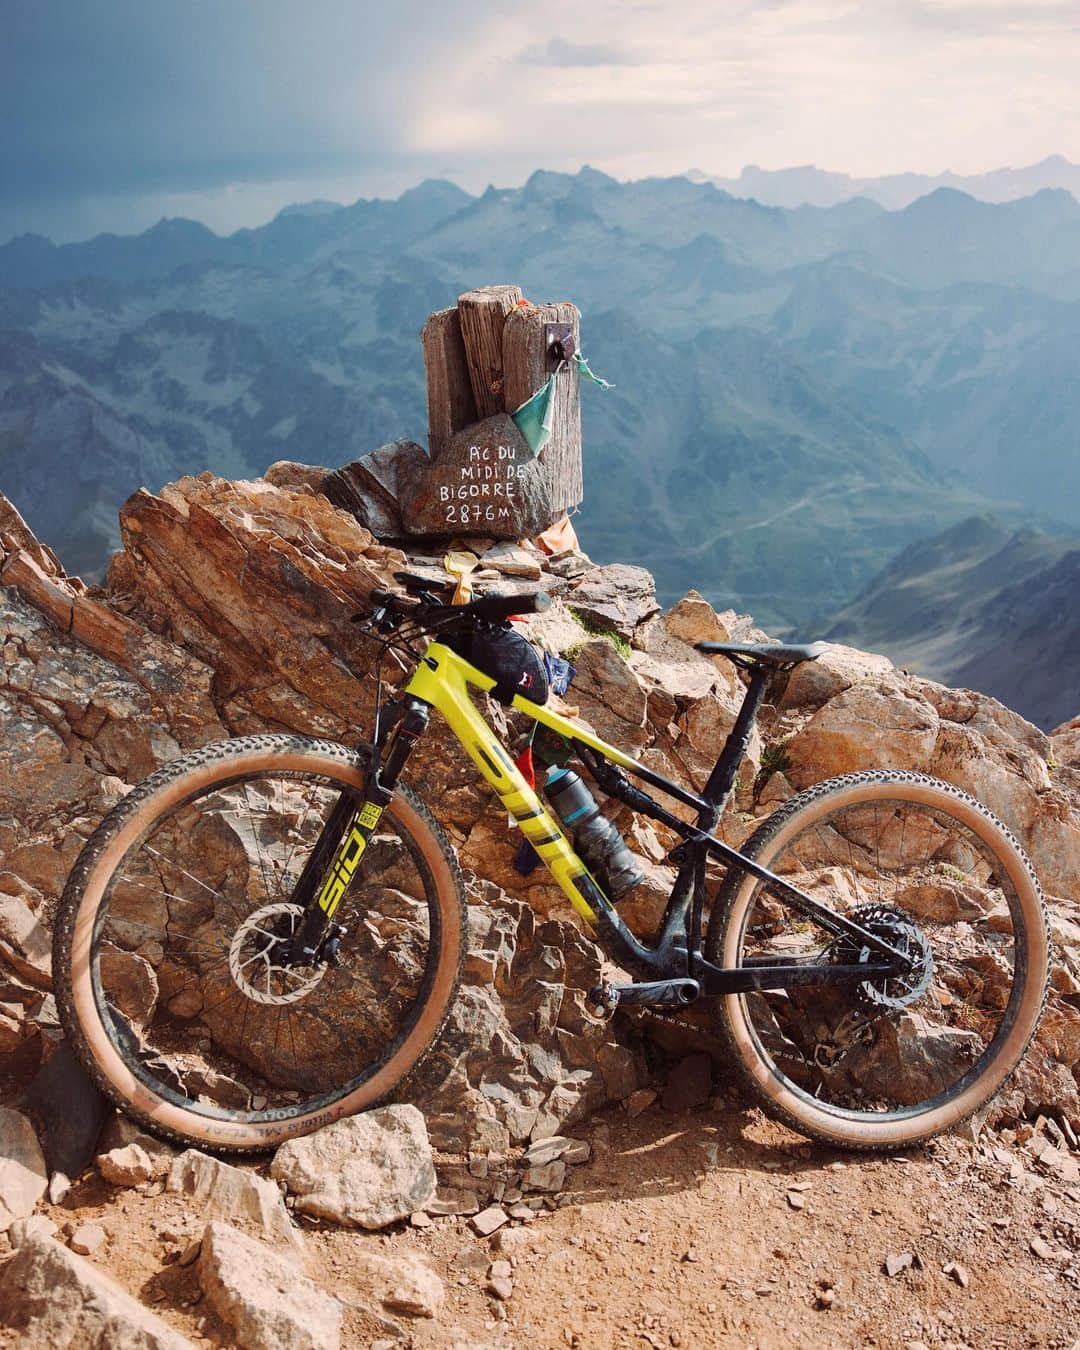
x,y
118,112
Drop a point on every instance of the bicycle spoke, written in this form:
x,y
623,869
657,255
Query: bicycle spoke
x,y
210,1001
168,935
209,889
890,1042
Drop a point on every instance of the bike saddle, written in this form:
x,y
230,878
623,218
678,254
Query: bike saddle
x,y
415,585
771,653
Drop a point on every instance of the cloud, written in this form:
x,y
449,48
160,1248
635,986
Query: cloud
x,y
558,52
974,17
118,111
101,97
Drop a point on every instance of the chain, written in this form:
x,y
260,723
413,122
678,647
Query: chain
x,y
854,1029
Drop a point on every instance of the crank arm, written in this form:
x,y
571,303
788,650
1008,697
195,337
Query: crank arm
x,y
647,994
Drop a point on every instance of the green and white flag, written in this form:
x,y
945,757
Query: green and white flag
x,y
533,418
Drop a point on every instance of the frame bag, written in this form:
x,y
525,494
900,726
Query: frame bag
x,y
512,662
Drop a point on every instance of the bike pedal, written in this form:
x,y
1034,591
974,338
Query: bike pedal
x,y
652,993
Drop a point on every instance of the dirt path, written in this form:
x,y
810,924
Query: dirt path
x,y
714,1228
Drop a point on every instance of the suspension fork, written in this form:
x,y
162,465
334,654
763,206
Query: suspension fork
x,y
351,823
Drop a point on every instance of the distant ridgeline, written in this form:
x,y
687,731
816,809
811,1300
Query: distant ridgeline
x,y
801,394
984,607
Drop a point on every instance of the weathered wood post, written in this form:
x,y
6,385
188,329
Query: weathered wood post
x,y
527,362
484,359
451,405
483,317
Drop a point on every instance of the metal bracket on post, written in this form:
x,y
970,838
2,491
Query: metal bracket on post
x,y
558,344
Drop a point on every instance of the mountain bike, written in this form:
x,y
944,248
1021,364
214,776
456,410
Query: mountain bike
x,y
268,933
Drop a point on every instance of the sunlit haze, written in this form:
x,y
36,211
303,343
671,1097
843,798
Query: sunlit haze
x,y
117,112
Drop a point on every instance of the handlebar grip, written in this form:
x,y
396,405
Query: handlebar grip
x,y
495,608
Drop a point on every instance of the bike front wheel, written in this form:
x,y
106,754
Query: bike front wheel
x,y
174,975
887,1062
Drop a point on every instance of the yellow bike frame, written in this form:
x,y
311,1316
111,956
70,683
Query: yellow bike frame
x,y
443,680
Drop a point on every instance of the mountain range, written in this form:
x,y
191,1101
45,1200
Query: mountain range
x,y
801,393
984,607
805,184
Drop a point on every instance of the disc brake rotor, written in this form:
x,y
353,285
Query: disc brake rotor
x,y
889,992
255,962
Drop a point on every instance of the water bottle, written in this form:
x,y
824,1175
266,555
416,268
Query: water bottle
x,y
598,842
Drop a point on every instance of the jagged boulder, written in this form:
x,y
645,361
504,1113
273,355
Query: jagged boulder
x,y
365,1171
221,1191
402,1283
22,1168
263,1297
965,738
1065,743
228,611
521,1056
883,725
52,1297
836,669
617,597
370,488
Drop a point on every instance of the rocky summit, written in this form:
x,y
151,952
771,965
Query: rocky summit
x,y
228,611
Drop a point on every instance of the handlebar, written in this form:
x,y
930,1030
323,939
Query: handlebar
x,y
489,608
496,608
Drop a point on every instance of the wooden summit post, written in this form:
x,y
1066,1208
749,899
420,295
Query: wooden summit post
x,y
525,368
451,405
484,359
483,318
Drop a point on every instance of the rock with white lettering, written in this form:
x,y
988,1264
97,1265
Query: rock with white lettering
x,y
486,483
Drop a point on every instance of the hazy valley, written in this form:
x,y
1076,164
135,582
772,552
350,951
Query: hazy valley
x,y
802,392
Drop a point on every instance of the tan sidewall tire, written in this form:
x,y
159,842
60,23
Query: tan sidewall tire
x,y
114,1075
795,1109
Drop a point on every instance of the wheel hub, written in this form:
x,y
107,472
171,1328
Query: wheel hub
x,y
260,960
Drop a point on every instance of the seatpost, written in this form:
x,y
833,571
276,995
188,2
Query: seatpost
x,y
722,778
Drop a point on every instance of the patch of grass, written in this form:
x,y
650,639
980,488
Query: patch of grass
x,y
774,759
594,630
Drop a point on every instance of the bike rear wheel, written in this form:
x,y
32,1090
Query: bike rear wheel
x,y
886,1063
169,942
